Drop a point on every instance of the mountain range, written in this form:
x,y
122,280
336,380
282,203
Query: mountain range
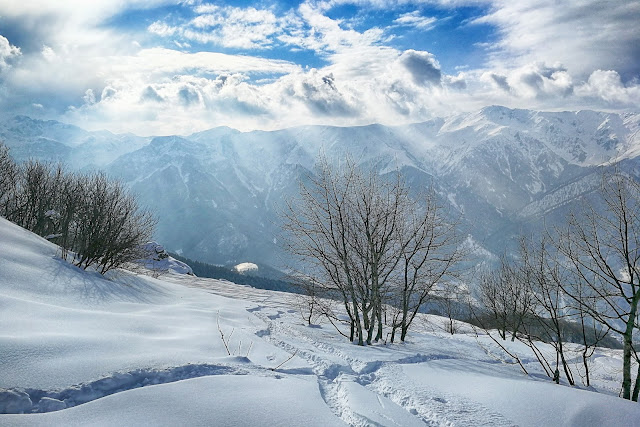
x,y
217,193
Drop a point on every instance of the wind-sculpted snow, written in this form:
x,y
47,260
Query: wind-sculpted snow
x,y
43,400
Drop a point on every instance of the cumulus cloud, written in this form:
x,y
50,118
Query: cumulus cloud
x,y
48,53
7,52
188,96
498,80
458,82
364,78
89,97
422,66
606,85
150,94
319,93
107,93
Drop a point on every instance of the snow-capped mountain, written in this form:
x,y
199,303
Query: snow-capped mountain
x,y
217,192
54,141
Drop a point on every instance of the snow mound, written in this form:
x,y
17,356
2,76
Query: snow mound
x,y
158,260
245,267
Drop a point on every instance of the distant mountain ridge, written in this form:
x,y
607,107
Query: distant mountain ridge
x,y
217,192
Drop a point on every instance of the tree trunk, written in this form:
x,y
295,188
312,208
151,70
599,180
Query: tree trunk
x,y
585,362
357,321
565,365
379,315
628,348
626,366
636,388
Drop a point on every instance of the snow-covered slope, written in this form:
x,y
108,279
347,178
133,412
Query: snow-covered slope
x,y
132,350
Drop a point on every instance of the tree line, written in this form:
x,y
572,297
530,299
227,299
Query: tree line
x,y
95,220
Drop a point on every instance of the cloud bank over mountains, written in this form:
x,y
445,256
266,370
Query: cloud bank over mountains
x,y
160,66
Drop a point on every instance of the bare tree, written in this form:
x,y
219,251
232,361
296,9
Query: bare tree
x,y
592,332
452,299
94,216
543,276
430,255
34,195
8,177
110,228
319,231
505,298
379,209
356,234
602,246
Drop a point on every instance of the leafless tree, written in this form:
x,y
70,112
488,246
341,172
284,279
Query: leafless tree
x,y
379,208
543,275
452,298
602,247
34,195
505,298
354,232
8,177
319,233
110,228
592,332
431,254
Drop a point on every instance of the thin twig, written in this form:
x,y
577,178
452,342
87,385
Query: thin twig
x,y
226,346
290,357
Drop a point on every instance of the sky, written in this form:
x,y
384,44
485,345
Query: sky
x,y
155,67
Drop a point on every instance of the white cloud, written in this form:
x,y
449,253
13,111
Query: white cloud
x,y
48,53
608,87
161,61
415,19
102,78
89,97
536,80
585,35
7,52
227,26
162,29
184,103
422,66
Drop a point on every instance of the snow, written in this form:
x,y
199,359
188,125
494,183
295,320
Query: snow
x,y
157,261
133,350
243,267
225,400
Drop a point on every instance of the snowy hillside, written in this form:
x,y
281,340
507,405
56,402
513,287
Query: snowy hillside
x,y
132,350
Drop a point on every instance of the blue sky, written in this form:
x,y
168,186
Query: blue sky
x,y
162,66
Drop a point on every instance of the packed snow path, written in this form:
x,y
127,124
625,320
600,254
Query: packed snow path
x,y
353,386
